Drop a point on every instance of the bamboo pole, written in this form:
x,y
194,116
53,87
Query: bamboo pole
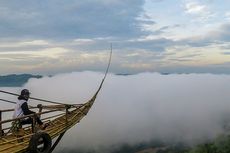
x,y
1,133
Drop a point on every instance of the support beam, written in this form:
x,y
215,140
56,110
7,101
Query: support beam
x,y
57,141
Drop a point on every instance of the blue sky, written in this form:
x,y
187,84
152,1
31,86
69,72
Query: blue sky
x,y
181,36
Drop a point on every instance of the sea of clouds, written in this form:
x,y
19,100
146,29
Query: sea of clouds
x,y
190,108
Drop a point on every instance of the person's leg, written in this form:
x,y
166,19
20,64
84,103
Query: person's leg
x,y
27,121
39,120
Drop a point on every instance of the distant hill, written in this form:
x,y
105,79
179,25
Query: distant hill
x,y
16,80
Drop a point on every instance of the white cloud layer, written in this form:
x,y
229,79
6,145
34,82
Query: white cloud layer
x,y
194,8
130,109
200,11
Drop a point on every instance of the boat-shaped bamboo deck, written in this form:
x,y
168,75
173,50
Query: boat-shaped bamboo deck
x,y
11,143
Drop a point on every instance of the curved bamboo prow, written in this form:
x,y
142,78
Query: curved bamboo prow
x,y
91,101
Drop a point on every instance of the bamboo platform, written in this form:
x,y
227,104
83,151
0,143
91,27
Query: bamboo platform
x,y
64,116
11,143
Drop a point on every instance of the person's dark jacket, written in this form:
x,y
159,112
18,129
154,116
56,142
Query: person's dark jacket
x,y
25,107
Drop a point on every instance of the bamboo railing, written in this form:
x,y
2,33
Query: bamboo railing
x,y
63,118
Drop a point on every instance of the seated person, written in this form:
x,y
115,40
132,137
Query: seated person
x,y
22,109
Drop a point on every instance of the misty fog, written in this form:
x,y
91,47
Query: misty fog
x,y
189,108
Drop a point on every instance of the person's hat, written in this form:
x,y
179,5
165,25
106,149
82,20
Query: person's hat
x,y
25,92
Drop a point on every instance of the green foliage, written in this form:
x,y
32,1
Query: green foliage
x,y
223,144
220,145
204,148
